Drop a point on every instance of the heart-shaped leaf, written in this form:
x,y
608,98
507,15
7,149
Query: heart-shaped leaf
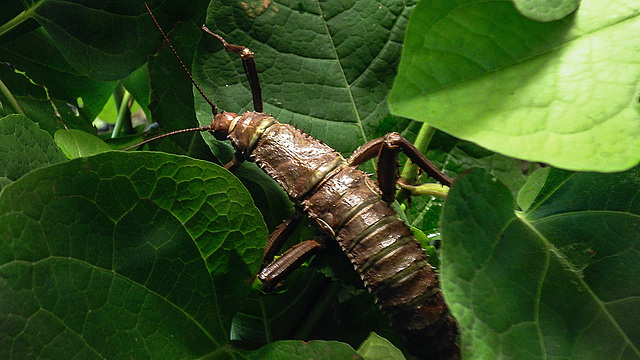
x,y
137,254
326,67
379,348
559,280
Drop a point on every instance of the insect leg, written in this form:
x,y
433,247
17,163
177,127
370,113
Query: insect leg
x,y
387,171
396,140
272,274
233,164
386,149
249,65
279,236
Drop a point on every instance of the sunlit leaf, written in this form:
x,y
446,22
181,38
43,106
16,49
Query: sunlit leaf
x,y
76,143
545,10
563,93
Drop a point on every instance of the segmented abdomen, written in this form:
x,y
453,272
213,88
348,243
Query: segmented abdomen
x,y
346,204
389,259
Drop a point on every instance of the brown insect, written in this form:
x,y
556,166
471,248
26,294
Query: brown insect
x,y
345,205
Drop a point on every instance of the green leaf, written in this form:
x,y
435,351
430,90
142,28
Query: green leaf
x,y
172,97
545,10
142,255
76,143
44,67
376,347
24,147
557,281
317,350
50,92
137,83
563,93
324,66
541,183
99,37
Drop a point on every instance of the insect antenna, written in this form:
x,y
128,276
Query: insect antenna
x,y
214,108
201,128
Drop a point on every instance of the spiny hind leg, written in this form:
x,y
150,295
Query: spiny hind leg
x,y
279,237
386,149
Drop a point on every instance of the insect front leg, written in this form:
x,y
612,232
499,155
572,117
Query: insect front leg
x,y
386,149
249,65
274,273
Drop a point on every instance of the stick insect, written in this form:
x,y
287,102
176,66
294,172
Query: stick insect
x,y
345,205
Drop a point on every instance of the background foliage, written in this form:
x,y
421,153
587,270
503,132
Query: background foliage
x,y
532,90
147,255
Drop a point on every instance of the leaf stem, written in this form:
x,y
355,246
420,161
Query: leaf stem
x,y
7,98
123,121
319,310
409,170
267,328
431,189
19,19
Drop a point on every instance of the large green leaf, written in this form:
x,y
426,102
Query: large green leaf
x,y
324,66
104,38
47,87
563,92
78,44
141,255
24,147
559,280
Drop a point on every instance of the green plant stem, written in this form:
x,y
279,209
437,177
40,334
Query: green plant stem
x,y
19,19
123,121
410,171
267,328
7,98
319,310
118,94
